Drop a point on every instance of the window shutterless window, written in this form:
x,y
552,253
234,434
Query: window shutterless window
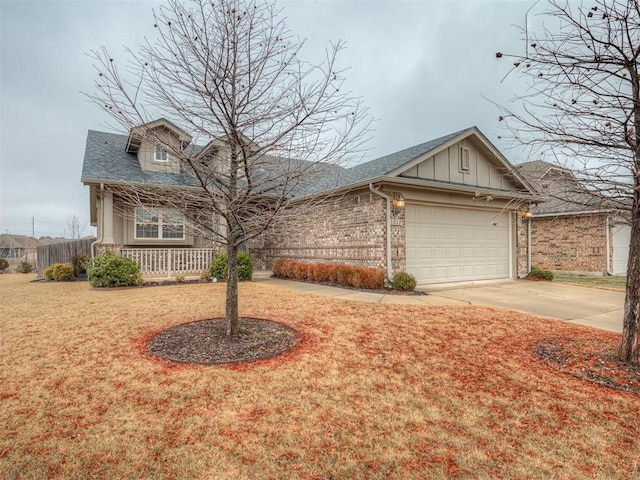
x,y
158,223
161,154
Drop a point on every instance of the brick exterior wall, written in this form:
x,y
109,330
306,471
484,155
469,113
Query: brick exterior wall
x,y
348,230
351,230
569,244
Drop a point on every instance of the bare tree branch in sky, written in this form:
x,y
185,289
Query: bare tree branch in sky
x,y
582,108
228,72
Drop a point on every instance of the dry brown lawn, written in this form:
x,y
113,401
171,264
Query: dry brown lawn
x,y
611,282
371,392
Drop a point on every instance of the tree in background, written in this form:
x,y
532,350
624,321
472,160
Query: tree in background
x,y
73,228
583,104
228,72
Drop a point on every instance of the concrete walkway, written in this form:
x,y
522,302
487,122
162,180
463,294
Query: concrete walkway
x,y
593,307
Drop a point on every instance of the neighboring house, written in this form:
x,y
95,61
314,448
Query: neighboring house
x,y
19,248
574,230
13,246
16,248
445,211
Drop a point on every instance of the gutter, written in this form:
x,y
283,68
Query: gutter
x,y
456,188
98,240
388,241
528,245
570,213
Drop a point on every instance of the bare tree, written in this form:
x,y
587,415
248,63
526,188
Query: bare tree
x,y
228,72
73,228
583,106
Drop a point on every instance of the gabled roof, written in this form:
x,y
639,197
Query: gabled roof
x,y
564,192
393,165
385,165
139,132
106,160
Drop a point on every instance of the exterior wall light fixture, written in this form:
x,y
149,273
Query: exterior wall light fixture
x,y
526,215
398,203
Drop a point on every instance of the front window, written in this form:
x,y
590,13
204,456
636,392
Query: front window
x,y
161,154
157,223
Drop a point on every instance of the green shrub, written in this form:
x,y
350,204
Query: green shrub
x,y
59,272
180,278
4,265
79,263
541,273
110,270
245,266
205,275
404,281
24,267
219,266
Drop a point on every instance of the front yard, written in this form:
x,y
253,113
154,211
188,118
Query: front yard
x,y
612,282
372,391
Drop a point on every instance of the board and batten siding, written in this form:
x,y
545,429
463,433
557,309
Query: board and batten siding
x,y
445,166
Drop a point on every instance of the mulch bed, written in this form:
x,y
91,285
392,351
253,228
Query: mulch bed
x,y
382,291
205,342
590,359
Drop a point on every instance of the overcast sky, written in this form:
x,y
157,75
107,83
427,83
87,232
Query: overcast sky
x,y
422,67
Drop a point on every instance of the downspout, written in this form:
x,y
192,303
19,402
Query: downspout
x,y
388,210
101,229
607,226
528,245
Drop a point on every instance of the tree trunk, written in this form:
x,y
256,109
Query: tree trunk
x,y
630,344
231,306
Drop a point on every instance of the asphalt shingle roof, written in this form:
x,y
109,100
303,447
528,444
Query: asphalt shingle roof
x,y
563,191
105,160
387,164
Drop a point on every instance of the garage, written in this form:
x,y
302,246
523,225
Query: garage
x,y
621,239
449,244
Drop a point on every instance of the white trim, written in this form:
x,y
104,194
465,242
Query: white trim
x,y
511,239
162,150
159,224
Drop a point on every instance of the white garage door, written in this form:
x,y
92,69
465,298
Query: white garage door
x,y
446,244
621,238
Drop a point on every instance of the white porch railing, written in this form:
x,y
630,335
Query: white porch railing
x,y
170,261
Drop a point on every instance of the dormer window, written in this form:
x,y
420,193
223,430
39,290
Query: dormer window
x,y
161,154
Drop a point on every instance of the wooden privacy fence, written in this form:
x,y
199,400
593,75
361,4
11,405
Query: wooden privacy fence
x,y
61,253
170,261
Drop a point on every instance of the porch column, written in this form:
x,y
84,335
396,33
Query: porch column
x,y
107,217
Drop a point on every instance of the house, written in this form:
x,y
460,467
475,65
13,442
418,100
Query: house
x,y
16,246
446,210
575,230
20,248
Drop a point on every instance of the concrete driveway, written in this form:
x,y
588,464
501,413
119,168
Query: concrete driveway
x,y
589,306
593,307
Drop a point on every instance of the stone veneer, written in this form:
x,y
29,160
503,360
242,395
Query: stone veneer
x,y
570,243
522,268
102,248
